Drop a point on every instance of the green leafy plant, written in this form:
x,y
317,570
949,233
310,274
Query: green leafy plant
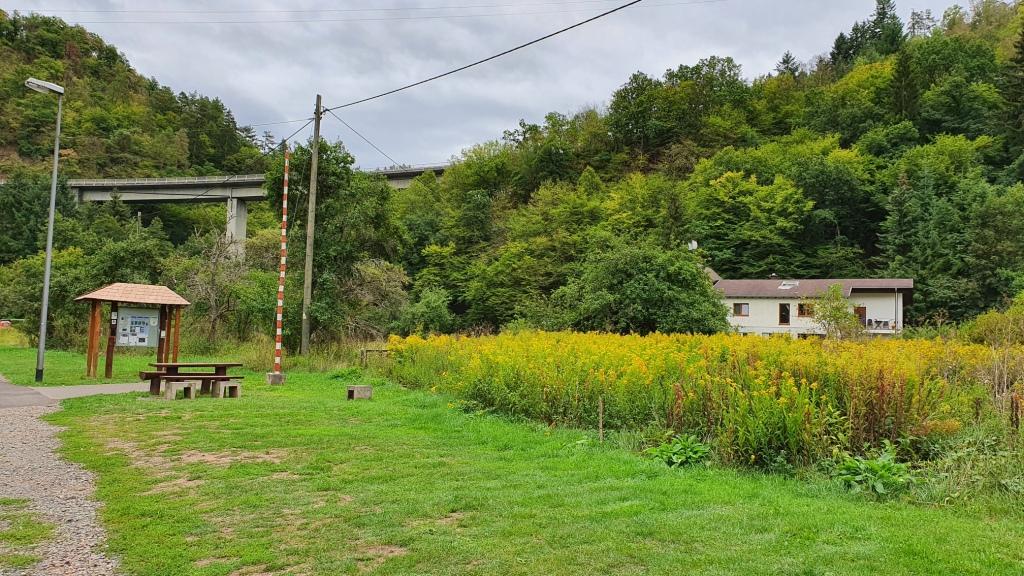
x,y
679,451
881,476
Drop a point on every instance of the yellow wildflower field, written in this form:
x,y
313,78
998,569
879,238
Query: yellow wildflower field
x,y
756,399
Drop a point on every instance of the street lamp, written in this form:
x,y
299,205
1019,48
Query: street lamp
x,y
48,88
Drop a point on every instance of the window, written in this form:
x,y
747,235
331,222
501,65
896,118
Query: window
x,y
805,310
784,312
739,309
788,284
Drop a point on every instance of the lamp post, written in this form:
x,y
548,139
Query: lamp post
x,y
48,88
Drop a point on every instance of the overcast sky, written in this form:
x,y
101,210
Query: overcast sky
x,y
271,70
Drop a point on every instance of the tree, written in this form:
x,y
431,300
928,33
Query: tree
x,y
355,222
834,314
905,90
788,65
954,106
208,279
921,23
887,35
24,204
880,35
1013,94
428,315
641,288
377,292
631,114
23,283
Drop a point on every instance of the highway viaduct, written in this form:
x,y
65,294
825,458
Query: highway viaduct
x,y
236,191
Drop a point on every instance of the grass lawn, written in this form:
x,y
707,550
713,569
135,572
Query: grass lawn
x,y
296,480
18,364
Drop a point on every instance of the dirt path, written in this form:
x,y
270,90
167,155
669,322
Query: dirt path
x,y
60,492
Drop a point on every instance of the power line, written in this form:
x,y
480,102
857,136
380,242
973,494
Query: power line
x,y
372,19
365,139
488,59
278,123
306,10
227,180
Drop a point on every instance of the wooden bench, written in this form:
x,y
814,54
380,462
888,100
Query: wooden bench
x,y
154,381
168,373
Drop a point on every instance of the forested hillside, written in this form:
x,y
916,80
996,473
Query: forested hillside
x,y
898,152
116,122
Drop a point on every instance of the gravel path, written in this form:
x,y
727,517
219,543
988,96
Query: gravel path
x,y
59,491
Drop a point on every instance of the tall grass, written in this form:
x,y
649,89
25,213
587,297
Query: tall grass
x,y
13,338
758,400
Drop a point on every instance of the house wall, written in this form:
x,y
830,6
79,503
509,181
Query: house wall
x,y
881,306
764,314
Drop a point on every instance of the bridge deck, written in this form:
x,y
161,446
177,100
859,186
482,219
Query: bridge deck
x,y
202,188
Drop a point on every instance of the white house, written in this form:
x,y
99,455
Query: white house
x,y
780,306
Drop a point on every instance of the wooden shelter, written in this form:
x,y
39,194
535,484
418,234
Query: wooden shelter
x,y
168,322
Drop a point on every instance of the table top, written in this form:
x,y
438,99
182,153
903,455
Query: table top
x,y
196,364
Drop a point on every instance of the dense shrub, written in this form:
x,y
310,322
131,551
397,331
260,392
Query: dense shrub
x,y
881,476
679,451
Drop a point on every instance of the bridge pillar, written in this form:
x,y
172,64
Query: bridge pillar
x,y
238,220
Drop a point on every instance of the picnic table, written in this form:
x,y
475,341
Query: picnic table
x,y
208,374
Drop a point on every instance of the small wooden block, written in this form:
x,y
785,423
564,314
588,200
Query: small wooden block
x,y
360,392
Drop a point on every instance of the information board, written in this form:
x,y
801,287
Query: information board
x,y
138,327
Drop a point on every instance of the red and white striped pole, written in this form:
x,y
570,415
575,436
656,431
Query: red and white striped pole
x,y
277,377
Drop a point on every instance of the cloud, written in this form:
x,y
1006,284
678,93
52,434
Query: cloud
x,y
272,70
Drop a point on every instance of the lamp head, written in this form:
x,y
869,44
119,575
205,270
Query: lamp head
x,y
43,86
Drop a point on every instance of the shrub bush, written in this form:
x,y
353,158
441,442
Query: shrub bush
x,y
882,476
679,451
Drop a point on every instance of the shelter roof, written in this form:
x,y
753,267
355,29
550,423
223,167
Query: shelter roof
x,y
136,294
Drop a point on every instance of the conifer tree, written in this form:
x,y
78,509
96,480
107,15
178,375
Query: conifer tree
x,y
1013,93
905,89
788,65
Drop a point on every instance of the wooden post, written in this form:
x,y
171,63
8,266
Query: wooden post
x,y
177,334
167,333
170,334
108,370
98,310
93,347
161,330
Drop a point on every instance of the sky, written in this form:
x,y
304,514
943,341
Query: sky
x,y
267,60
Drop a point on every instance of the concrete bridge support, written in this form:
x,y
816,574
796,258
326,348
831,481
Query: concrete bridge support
x,y
238,220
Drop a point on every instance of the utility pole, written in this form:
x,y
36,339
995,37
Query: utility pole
x,y
307,282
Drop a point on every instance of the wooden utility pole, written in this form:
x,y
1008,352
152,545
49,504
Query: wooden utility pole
x,y
307,282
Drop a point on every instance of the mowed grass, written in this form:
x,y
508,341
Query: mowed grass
x,y
297,480
20,532
63,368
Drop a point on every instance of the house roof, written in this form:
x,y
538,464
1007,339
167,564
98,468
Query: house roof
x,y
813,288
135,294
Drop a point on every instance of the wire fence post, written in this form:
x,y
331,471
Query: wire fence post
x,y
277,377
